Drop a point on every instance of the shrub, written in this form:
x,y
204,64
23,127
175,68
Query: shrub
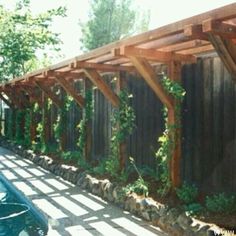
x,y
139,186
187,193
193,209
221,203
69,155
100,169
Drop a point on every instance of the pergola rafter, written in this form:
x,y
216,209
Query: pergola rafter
x,y
173,45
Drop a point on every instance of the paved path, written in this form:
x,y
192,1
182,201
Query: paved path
x,y
70,210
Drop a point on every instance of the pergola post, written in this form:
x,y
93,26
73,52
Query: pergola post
x,y
45,119
33,126
174,73
62,139
121,84
13,128
88,127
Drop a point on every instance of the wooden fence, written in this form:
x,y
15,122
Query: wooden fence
x,y
209,125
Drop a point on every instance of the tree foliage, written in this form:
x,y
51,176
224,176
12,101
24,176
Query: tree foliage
x,y
111,20
22,35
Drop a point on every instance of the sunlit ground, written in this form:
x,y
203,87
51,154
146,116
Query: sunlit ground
x,y
70,210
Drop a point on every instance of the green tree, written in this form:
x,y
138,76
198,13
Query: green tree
x,y
22,36
112,20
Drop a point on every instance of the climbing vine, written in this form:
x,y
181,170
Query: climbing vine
x,y
123,123
88,111
41,144
60,126
10,125
27,140
19,135
167,140
36,144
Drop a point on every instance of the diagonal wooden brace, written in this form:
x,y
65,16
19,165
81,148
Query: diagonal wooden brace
x,y
70,90
48,92
97,80
147,72
7,101
33,95
11,96
226,50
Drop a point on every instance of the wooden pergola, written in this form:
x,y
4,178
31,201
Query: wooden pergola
x,y
173,45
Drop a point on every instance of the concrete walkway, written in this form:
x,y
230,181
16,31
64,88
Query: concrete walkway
x,y
70,210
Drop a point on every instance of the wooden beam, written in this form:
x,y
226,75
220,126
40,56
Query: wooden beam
x,y
226,50
7,101
198,50
165,41
97,80
195,32
48,92
148,73
184,46
151,54
70,90
100,67
219,28
102,59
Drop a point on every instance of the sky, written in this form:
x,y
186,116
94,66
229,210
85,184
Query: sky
x,y
162,12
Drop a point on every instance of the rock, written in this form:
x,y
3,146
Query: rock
x,y
161,209
144,204
118,194
195,228
92,183
172,216
85,183
81,178
138,204
162,222
210,233
184,221
104,183
146,215
130,204
154,217
176,230
189,232
108,189
203,231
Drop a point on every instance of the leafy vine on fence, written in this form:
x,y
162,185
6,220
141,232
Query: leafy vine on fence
x,y
60,126
28,120
41,144
19,135
88,111
10,125
123,124
167,140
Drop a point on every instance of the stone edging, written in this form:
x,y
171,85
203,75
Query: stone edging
x,y
173,221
